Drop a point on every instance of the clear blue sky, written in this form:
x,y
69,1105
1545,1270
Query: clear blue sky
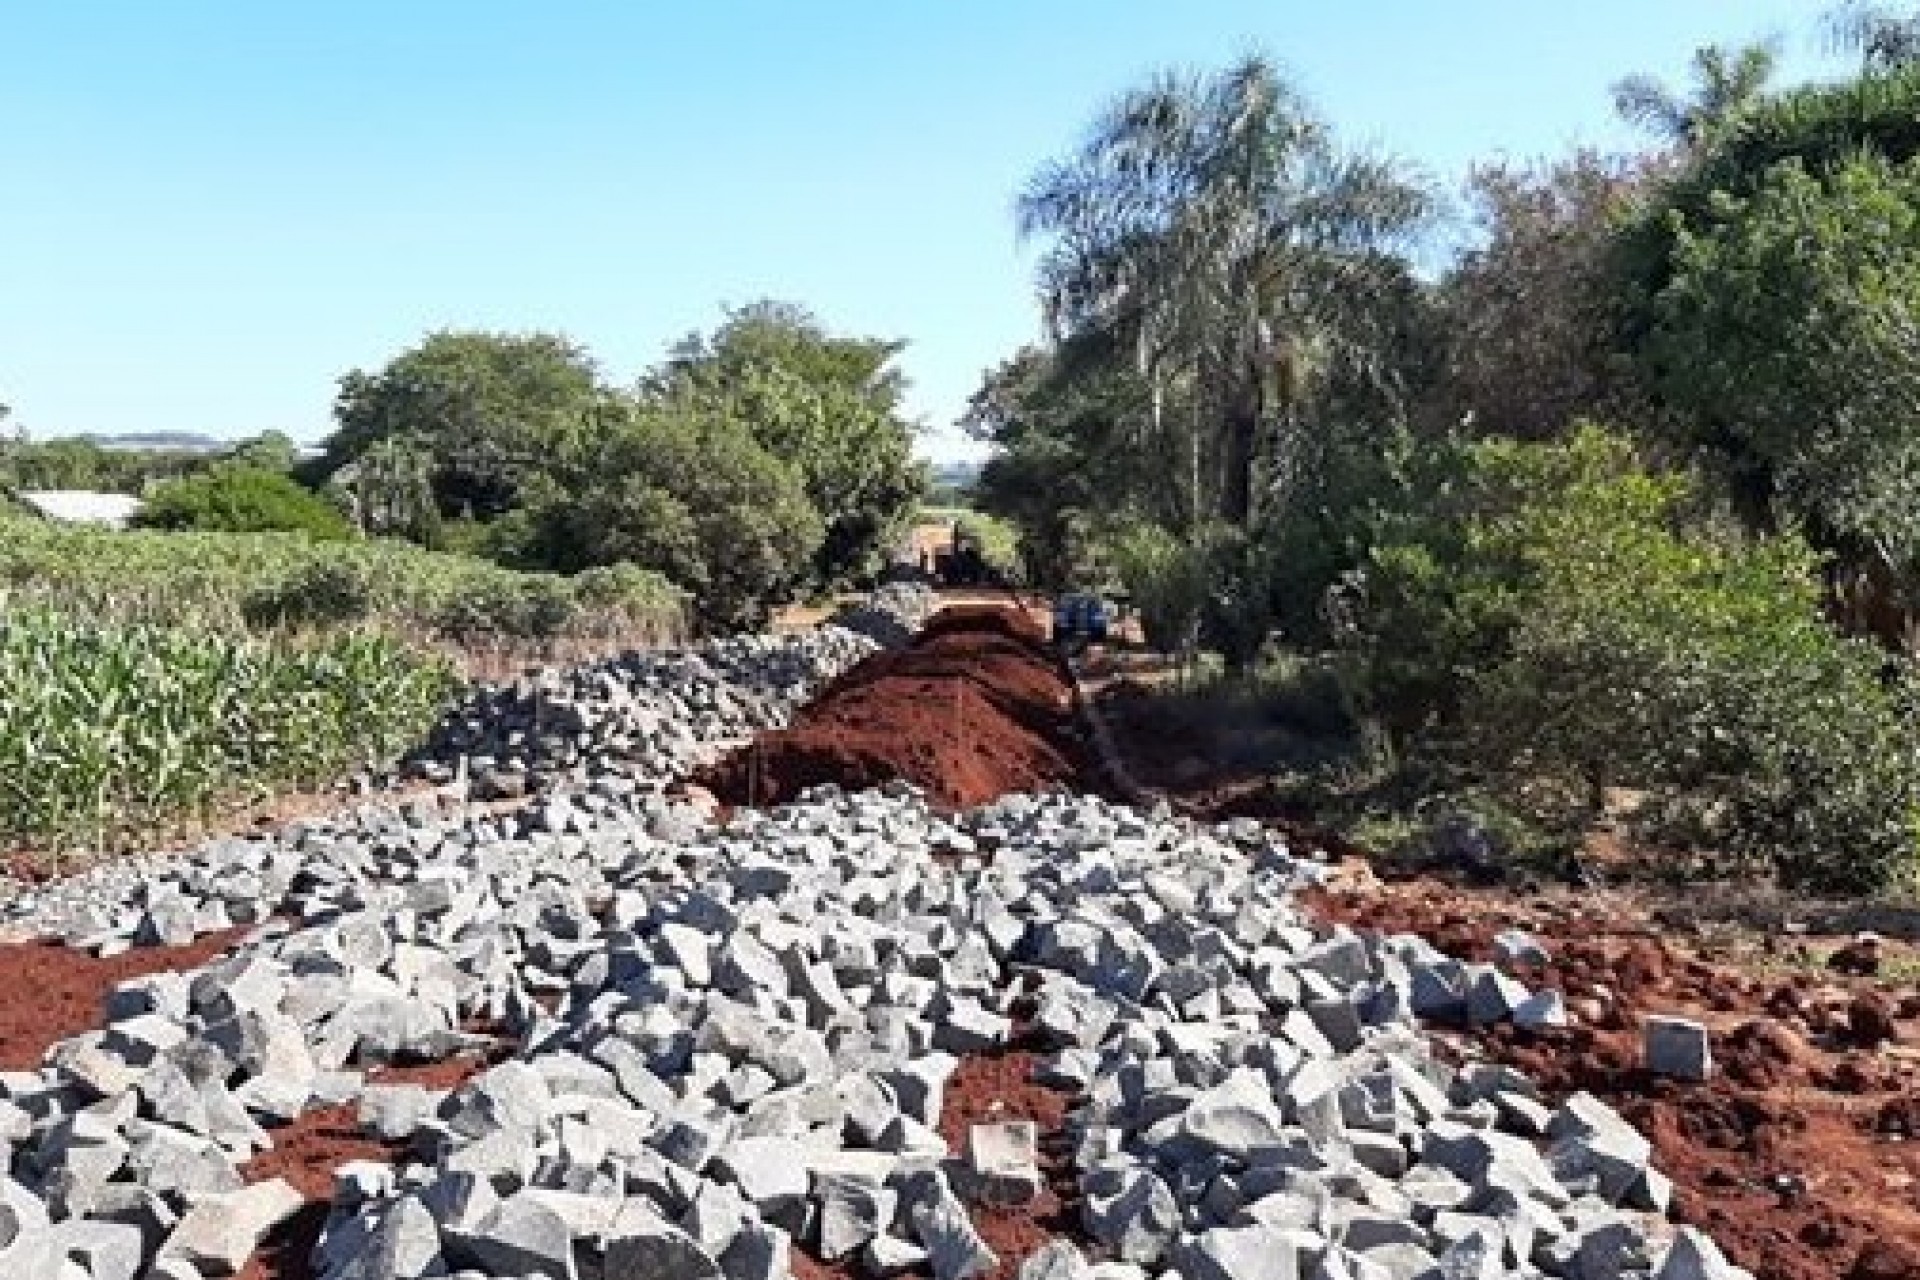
x,y
210,209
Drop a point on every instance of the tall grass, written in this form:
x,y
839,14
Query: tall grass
x,y
108,729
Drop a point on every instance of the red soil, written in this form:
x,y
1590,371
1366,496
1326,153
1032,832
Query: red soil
x,y
985,1089
1796,1157
995,1087
54,992
307,1152
976,708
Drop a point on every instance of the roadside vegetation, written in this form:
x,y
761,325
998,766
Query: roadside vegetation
x,y
1611,526
275,621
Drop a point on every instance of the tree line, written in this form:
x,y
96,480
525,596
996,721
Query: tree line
x,y
767,459
1622,502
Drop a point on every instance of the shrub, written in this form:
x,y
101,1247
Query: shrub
x,y
1166,578
322,593
1563,622
519,607
241,499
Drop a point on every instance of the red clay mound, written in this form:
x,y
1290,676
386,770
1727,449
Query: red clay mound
x,y
976,708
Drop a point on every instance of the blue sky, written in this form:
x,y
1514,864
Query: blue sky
x,y
211,209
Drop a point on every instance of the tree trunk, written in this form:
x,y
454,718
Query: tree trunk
x,y
1240,450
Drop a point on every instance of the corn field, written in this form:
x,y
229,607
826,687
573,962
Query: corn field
x,y
108,729
281,582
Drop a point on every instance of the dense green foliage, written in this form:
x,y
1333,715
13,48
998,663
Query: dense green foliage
x,y
217,581
830,406
691,495
236,498
83,464
1788,338
761,461
1266,431
80,463
107,730
1562,623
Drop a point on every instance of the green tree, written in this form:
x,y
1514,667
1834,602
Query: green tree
x,y
236,498
388,490
1787,339
1211,230
1726,84
270,450
488,408
830,405
692,495
1068,452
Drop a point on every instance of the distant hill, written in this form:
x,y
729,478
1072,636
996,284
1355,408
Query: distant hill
x,y
159,442
959,475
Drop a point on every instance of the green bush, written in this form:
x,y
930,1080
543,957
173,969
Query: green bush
x,y
321,594
1165,576
997,539
241,499
694,496
524,607
1564,624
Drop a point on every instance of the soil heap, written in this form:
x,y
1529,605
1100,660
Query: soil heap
x,y
974,708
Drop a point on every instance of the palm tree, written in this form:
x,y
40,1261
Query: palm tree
x,y
1884,38
1725,84
1210,228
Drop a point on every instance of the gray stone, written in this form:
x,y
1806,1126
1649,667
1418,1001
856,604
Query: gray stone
x,y
108,1250
1544,1008
955,1250
1244,1253
1591,1140
853,1211
218,1233
760,1252
887,1255
1678,1047
404,1245
769,1171
1056,1260
1693,1256
1003,1162
1238,1119
1517,947
1131,1211
691,950
1494,996
641,1245
396,1111
523,1237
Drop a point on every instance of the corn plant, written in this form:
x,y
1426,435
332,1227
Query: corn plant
x,y
108,728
